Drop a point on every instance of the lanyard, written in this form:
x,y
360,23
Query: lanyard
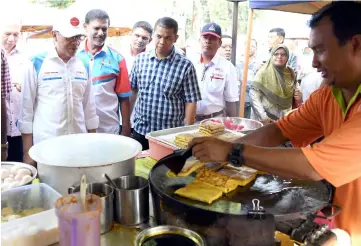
x,y
205,68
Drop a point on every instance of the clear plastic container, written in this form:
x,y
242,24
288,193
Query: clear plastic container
x,y
76,226
39,229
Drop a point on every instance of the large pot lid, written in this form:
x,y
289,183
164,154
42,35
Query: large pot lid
x,y
85,150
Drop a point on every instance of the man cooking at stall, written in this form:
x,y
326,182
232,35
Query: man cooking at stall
x,y
333,111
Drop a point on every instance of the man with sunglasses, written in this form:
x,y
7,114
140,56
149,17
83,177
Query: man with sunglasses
x,y
57,94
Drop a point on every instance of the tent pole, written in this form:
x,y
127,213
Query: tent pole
x,y
242,95
234,32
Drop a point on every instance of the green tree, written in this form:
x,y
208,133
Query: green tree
x,y
60,4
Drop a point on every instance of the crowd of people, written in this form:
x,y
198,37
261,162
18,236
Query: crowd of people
x,y
83,85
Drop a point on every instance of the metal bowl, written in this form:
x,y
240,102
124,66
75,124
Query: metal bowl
x,y
248,124
165,233
9,165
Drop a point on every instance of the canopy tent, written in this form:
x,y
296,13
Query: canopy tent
x,y
302,7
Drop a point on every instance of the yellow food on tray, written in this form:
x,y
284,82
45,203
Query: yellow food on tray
x,y
190,167
182,139
210,128
206,175
199,191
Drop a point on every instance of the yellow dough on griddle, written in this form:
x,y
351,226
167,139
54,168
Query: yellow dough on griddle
x,y
211,177
239,175
200,191
190,167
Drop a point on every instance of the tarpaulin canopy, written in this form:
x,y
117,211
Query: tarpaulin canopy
x,y
302,7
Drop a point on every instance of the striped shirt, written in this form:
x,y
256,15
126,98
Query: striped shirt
x,y
110,80
164,87
5,76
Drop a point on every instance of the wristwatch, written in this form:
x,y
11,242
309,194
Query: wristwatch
x,y
4,146
236,156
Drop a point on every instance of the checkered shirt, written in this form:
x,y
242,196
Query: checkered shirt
x,y
164,87
5,76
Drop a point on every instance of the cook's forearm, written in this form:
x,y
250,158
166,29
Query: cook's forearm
x,y
284,162
267,136
3,121
190,118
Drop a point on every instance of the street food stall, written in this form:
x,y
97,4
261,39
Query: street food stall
x,y
147,202
133,200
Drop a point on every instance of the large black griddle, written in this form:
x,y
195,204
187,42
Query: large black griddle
x,y
290,202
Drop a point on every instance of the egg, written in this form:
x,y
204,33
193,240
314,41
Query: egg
x,y
8,180
18,177
15,168
23,172
26,179
4,173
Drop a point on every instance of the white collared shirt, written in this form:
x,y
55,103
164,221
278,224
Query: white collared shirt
x,y
310,83
129,57
57,99
16,60
218,84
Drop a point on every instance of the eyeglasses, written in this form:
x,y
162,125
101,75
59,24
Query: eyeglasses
x,y
71,39
280,54
76,38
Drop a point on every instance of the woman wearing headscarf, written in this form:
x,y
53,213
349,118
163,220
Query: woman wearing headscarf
x,y
273,87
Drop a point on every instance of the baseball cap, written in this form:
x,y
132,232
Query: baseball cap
x,y
212,29
69,26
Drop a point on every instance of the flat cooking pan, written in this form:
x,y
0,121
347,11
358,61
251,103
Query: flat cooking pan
x,y
289,201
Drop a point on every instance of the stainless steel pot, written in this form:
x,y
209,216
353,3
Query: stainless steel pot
x,y
131,204
107,213
63,160
169,235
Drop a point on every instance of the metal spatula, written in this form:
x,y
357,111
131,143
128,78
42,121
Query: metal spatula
x,y
176,161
